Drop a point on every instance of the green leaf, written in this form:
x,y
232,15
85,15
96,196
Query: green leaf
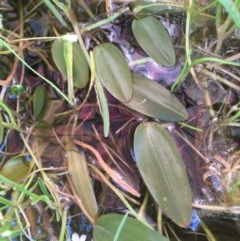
x,y
113,71
68,57
152,99
48,117
154,39
39,101
154,8
55,12
43,187
17,168
12,123
233,9
107,226
79,174
9,48
80,65
17,90
163,171
1,129
35,198
102,102
120,227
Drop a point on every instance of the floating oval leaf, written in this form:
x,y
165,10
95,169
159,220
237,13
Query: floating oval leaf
x,y
113,71
132,229
162,169
154,39
79,174
80,65
152,99
39,101
17,168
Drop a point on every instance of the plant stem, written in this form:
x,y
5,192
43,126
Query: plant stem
x,y
86,8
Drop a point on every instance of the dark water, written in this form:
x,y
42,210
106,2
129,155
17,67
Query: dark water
x,y
222,230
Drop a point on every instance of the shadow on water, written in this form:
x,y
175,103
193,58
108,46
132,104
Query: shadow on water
x,y
223,229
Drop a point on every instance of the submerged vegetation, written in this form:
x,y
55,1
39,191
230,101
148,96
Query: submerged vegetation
x,y
119,119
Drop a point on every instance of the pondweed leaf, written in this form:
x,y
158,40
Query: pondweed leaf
x,y
163,171
131,230
152,99
17,168
113,71
154,39
80,70
80,176
39,101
